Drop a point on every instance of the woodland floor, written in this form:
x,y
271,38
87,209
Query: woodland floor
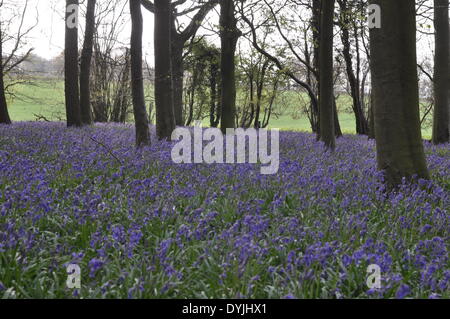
x,y
140,226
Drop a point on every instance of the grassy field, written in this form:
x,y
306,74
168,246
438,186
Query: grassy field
x,y
46,98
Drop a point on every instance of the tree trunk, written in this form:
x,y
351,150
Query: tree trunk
x,y
177,64
71,84
85,67
229,35
441,73
400,151
371,117
177,81
361,121
214,115
326,96
4,115
137,80
179,38
337,125
315,23
165,118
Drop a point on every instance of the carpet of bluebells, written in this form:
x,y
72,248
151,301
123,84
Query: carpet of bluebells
x,y
140,226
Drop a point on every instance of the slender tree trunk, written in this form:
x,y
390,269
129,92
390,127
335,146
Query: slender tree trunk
x,y
361,121
259,93
326,96
4,115
165,118
229,35
177,81
177,65
337,125
218,99
213,112
315,23
441,73
72,91
137,79
400,151
85,66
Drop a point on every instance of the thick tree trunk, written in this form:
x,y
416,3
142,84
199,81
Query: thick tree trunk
x,y
326,96
85,66
165,118
72,91
371,117
229,35
400,151
137,80
4,115
441,73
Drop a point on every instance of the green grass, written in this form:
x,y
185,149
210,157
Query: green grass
x,y
46,97
42,97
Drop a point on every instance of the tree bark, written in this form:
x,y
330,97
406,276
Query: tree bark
x,y
165,118
400,152
229,35
214,112
72,91
4,115
441,73
137,80
315,24
337,125
371,117
361,121
85,66
179,40
326,96
177,80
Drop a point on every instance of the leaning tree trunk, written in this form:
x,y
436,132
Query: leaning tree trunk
x,y
400,151
441,73
165,119
229,35
85,65
4,115
72,91
326,96
137,80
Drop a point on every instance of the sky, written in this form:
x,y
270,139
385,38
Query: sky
x,y
47,38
